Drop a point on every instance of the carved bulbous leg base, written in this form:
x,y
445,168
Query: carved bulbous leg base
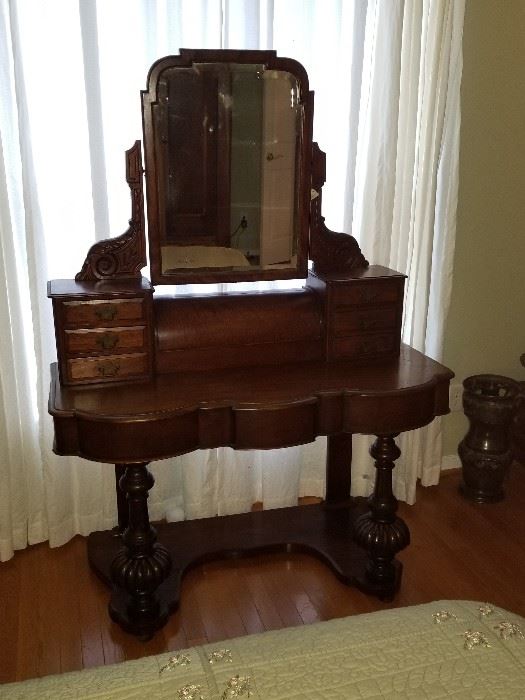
x,y
380,532
142,565
382,541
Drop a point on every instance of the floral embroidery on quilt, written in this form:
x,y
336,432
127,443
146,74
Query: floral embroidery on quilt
x,y
509,629
174,661
485,610
443,616
190,692
220,655
475,639
237,686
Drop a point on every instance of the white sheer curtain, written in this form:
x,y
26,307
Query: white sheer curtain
x,y
386,75
406,183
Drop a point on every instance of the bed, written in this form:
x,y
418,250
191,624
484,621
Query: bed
x,y
446,649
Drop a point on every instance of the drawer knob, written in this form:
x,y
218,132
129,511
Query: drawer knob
x,y
370,347
106,312
109,369
367,324
368,295
107,341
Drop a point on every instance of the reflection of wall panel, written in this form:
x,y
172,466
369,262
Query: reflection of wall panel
x,y
246,135
278,169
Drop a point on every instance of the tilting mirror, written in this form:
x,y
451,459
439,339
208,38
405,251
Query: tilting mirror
x,y
227,181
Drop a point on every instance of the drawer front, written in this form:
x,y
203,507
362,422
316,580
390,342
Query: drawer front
x,y
363,319
365,346
370,292
107,368
103,312
279,426
103,340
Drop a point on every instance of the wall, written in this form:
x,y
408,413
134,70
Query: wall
x,y
486,325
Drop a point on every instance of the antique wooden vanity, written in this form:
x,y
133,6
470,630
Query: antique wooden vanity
x,y
233,184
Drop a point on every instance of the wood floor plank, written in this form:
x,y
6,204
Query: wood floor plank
x,y
271,570
219,611
189,611
67,597
286,579
47,629
329,596
245,603
221,595
114,641
9,617
174,634
29,612
263,601
88,608
53,609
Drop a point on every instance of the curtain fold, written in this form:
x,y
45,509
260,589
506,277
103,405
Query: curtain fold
x,y
406,190
386,75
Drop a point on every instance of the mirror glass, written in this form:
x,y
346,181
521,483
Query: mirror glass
x,y
227,144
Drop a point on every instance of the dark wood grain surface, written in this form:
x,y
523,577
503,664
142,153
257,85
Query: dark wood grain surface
x,y
254,407
250,408
54,609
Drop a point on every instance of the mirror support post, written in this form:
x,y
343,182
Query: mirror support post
x,y
125,256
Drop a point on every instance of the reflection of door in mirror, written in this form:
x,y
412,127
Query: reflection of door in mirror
x,y
195,142
227,140
278,169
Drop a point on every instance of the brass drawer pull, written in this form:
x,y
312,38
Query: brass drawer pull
x,y
109,369
106,312
107,341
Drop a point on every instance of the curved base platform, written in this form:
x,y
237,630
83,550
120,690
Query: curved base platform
x,y
322,530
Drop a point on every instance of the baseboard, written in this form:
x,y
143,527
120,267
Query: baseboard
x,y
450,462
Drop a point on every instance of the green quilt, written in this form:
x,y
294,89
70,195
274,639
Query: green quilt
x,y
447,649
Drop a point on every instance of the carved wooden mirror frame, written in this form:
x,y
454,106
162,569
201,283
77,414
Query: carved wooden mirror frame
x,y
123,257
269,61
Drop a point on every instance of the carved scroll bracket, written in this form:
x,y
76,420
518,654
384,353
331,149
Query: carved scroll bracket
x,y
122,257
331,252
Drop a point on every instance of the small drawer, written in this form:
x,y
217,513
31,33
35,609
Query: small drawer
x,y
110,367
348,320
105,340
372,292
370,345
107,312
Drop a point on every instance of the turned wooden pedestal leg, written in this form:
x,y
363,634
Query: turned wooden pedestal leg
x,y
338,468
142,564
380,531
122,503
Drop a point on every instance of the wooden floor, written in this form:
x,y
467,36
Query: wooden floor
x,y
53,609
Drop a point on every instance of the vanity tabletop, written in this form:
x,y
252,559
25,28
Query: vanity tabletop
x,y
246,408
247,387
